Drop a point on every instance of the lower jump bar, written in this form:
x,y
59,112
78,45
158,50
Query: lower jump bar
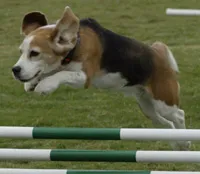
x,y
99,155
55,171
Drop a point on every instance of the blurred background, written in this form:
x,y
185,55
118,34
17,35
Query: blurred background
x,y
144,20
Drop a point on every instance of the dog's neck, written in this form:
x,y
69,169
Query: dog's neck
x,y
69,57
65,61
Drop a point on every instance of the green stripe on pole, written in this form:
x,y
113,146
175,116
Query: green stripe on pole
x,y
76,133
106,172
93,155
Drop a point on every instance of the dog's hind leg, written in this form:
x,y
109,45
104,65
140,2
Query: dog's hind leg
x,y
165,89
177,117
161,115
147,105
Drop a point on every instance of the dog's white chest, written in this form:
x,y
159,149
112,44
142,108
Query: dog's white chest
x,y
109,80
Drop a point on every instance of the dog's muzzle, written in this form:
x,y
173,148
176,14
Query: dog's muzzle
x,y
17,73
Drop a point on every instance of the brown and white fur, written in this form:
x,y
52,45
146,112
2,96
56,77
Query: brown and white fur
x,y
149,73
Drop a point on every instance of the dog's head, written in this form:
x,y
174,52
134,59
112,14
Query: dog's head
x,y
44,46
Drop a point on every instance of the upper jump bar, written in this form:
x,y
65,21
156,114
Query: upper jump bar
x,y
100,133
183,12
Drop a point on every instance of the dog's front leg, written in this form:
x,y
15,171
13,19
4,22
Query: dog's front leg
x,y
51,83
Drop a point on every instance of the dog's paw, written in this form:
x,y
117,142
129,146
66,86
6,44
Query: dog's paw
x,y
30,86
181,145
46,86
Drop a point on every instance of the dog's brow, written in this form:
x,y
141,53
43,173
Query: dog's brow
x,y
49,26
36,49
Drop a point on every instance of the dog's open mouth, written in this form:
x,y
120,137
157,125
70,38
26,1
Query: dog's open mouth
x,y
27,80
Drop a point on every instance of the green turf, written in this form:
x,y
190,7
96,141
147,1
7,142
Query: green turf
x,y
142,19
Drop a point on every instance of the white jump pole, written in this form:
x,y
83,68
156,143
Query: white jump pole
x,y
101,133
32,171
54,171
99,155
183,12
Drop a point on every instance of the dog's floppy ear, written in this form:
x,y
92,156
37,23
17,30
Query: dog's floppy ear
x,y
32,21
64,36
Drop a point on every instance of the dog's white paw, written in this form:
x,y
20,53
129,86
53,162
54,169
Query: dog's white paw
x,y
30,86
46,86
181,145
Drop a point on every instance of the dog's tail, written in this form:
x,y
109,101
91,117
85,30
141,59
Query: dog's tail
x,y
159,46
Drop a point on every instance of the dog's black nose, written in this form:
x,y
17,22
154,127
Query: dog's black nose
x,y
16,70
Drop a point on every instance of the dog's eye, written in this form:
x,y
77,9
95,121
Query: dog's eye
x,y
34,53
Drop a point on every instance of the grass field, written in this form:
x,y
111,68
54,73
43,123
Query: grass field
x,y
142,19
